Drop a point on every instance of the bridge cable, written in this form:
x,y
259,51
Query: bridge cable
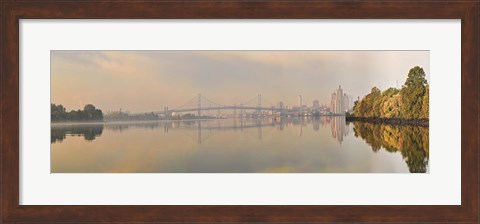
x,y
195,97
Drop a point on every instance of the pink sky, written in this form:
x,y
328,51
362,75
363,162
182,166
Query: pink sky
x,y
142,81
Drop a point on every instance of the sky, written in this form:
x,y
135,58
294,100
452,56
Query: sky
x,y
144,81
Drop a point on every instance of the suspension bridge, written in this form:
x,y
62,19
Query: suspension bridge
x,y
200,104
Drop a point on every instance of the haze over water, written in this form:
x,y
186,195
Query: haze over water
x,y
285,145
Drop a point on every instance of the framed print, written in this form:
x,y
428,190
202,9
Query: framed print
x,y
271,111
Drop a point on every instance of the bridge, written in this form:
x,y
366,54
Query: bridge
x,y
199,104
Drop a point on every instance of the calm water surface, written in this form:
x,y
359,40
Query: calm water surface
x,y
269,145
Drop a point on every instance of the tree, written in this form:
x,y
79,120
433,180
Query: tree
x,y
411,102
378,104
57,112
359,109
89,113
392,107
355,103
89,107
412,93
425,104
369,109
389,103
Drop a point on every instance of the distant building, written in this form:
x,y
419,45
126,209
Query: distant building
x,y
280,105
316,104
346,102
300,103
339,102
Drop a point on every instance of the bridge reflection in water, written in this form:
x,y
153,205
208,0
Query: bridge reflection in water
x,y
339,128
280,140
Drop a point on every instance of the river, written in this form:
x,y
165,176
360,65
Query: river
x,y
268,145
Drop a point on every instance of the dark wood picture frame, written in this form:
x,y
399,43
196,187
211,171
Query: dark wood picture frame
x,y
12,11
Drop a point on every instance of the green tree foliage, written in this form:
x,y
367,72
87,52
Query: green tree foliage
x,y
58,112
364,107
92,113
370,105
410,102
354,105
410,141
412,93
425,103
378,104
389,103
391,107
89,113
358,110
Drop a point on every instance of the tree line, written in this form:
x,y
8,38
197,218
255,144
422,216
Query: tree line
x,y
89,113
409,102
124,116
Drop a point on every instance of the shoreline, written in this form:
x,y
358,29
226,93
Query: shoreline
x,y
391,121
66,123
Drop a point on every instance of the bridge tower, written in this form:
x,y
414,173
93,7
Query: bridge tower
x,y
199,106
259,127
234,110
259,103
241,110
199,132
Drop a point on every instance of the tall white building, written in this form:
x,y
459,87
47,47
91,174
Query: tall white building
x,y
346,102
300,103
340,102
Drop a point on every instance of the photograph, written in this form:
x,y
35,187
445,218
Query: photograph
x,y
239,111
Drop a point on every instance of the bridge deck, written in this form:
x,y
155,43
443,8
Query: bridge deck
x,y
219,108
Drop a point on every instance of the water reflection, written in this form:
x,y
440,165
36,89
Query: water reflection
x,y
89,132
410,141
273,144
338,126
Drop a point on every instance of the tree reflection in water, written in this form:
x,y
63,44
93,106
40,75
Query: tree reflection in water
x,y
410,141
89,132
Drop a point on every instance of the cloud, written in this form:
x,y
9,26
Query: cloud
x,y
149,80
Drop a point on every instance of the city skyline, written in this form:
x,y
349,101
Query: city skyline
x,y
142,81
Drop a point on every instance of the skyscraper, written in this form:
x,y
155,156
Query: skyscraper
x,y
300,101
316,104
333,103
346,102
339,104
340,101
